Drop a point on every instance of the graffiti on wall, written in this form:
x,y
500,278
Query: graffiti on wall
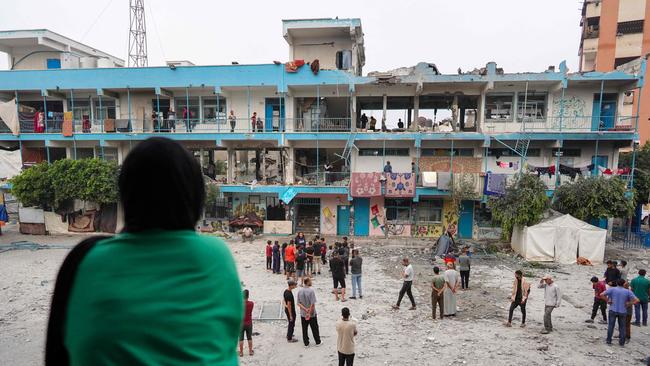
x,y
328,220
573,106
426,230
396,229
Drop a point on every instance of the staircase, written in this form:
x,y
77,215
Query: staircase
x,y
347,150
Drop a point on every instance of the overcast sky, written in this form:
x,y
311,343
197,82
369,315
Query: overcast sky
x,y
520,35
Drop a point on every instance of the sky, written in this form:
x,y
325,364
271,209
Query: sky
x,y
520,35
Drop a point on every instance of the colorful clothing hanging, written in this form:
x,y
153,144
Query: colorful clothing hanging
x,y
400,185
495,184
365,185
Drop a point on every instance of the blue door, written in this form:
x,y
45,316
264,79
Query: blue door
x,y
466,220
600,160
343,220
361,216
274,114
603,115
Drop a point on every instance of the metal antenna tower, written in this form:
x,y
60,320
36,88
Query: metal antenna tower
x,y
137,35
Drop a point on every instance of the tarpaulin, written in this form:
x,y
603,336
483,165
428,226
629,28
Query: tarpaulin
x,y
365,185
400,185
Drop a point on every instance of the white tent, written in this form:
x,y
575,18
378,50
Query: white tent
x,y
561,239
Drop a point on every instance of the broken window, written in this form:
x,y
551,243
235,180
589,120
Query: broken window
x,y
630,27
106,110
429,211
498,107
213,111
623,60
384,152
323,114
320,167
531,106
344,60
592,27
398,209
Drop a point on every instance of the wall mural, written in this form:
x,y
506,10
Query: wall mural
x,y
396,229
426,230
328,220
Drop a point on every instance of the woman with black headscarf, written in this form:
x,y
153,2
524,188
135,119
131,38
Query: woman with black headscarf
x,y
158,292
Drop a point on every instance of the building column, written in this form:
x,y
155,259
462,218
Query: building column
x,y
454,113
289,166
480,119
289,113
353,112
231,162
385,106
416,112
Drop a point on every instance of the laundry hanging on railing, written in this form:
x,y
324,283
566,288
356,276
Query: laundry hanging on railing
x,y
400,185
495,184
550,170
293,66
607,171
513,165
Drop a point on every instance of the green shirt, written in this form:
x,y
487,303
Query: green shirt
x,y
155,298
640,286
438,281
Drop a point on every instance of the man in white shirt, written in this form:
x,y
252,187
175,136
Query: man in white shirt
x,y
408,276
552,300
346,330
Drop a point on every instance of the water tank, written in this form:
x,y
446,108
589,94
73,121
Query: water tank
x,y
88,62
104,63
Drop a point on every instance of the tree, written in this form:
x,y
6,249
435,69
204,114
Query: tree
x,y
594,198
641,172
523,204
33,186
54,185
463,189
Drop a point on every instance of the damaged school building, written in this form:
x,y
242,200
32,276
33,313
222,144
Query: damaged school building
x,y
308,141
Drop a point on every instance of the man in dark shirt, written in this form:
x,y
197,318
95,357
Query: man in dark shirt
x,y
355,264
290,310
301,258
309,251
338,275
612,274
317,256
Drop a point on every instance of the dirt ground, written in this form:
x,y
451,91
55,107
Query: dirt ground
x,y
476,336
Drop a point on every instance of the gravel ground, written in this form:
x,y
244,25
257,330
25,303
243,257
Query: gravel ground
x,y
476,336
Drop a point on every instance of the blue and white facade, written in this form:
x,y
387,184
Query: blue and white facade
x,y
311,136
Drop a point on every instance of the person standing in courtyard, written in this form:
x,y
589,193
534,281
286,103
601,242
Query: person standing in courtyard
x,y
612,274
346,330
338,276
276,257
452,281
269,255
619,298
407,275
624,270
300,239
308,319
290,256
599,303
464,266
283,248
301,259
247,327
317,256
641,288
345,256
145,269
552,300
438,285
309,267
290,310
518,298
355,267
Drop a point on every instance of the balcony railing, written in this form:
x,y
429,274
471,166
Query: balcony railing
x,y
566,123
324,179
323,125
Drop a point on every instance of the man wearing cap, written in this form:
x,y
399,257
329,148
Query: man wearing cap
x,y
290,310
552,300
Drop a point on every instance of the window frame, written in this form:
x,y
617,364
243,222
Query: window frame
x,y
435,205
398,209
520,106
502,96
